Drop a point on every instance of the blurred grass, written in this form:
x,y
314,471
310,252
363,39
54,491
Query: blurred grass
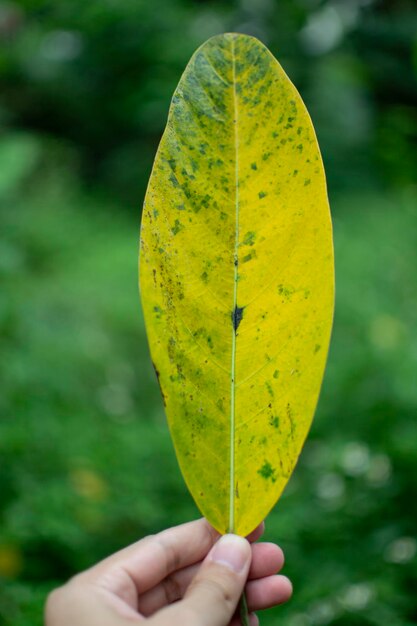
x,y
86,462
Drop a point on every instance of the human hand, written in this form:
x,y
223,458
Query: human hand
x,y
185,575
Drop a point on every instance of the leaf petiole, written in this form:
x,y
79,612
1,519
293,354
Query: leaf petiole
x,y
243,610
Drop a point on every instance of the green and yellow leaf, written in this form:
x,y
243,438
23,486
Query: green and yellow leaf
x,y
236,277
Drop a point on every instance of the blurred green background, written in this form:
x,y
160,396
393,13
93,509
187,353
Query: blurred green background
x,y
86,463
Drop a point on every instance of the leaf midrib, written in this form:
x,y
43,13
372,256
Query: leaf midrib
x,y
235,266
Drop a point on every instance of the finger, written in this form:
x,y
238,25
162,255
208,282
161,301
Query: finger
x,y
267,592
150,560
212,596
267,559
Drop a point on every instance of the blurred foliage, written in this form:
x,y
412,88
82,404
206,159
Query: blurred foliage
x,y
86,464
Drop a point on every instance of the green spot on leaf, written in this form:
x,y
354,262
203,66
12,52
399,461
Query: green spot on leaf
x,y
249,238
267,471
177,227
270,390
249,256
285,291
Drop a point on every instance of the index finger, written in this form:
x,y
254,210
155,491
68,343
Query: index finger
x,y
152,559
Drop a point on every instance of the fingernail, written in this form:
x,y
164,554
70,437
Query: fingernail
x,y
232,551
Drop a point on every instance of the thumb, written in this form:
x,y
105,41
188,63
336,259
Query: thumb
x,y
214,593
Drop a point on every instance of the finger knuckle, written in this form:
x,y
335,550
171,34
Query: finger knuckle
x,y
170,551
172,589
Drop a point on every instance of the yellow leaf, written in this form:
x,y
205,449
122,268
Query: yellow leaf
x,y
236,277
